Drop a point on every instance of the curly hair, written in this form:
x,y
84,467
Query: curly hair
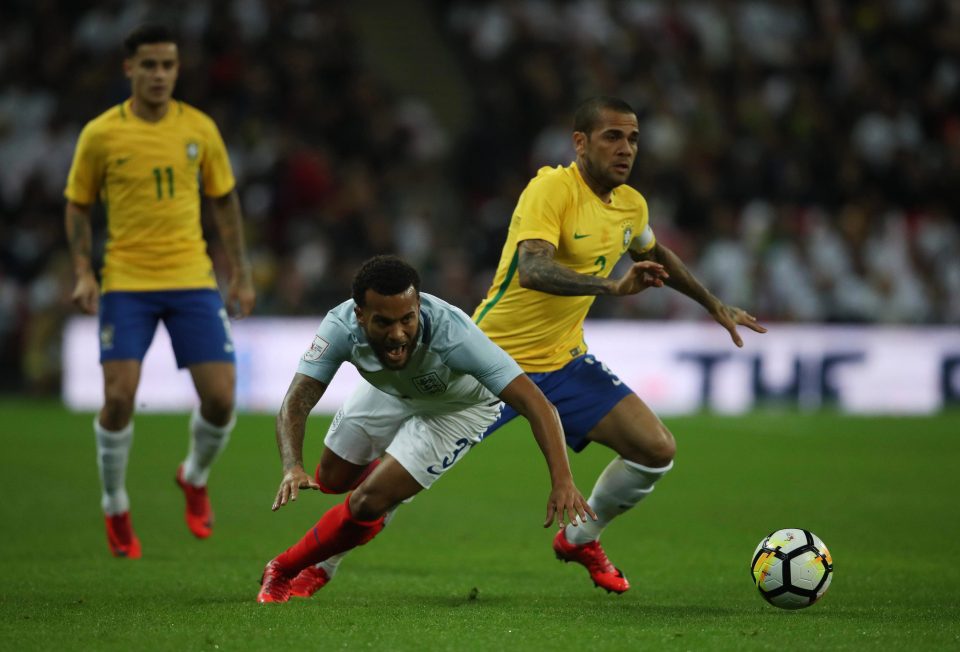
x,y
386,275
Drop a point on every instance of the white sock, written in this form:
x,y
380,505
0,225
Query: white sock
x,y
330,564
113,450
206,442
622,485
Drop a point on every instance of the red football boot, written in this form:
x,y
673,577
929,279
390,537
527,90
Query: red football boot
x,y
591,555
199,514
310,580
274,584
120,537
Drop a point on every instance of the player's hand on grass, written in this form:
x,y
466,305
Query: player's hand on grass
x,y
641,275
293,481
241,296
730,317
86,293
566,505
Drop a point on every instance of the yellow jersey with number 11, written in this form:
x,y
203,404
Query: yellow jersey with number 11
x,y
543,332
148,176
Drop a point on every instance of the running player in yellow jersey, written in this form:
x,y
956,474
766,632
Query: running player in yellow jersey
x,y
147,160
571,225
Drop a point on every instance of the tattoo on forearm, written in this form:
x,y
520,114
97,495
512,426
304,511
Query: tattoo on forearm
x,y
538,271
681,279
79,234
292,421
226,211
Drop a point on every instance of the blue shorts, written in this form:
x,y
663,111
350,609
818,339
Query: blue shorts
x,y
195,319
584,392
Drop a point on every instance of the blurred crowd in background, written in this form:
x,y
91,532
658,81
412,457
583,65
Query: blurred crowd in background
x,y
802,157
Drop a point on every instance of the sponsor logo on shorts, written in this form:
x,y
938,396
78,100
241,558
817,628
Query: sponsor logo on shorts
x,y
430,383
106,337
316,349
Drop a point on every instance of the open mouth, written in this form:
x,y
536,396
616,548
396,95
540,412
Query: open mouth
x,y
395,354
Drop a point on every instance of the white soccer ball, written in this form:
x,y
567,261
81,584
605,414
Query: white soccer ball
x,y
792,568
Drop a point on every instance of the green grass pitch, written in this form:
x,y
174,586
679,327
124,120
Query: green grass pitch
x,y
467,566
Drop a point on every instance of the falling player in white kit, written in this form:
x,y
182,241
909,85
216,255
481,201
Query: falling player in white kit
x,y
434,383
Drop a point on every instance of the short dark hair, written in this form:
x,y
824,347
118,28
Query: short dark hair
x,y
147,33
588,113
386,275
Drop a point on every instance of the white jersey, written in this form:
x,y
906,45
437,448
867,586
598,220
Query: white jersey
x,y
453,366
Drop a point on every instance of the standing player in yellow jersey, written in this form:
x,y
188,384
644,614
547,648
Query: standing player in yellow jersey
x,y
570,227
148,159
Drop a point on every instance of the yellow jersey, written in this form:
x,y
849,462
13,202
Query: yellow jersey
x,y
148,176
543,332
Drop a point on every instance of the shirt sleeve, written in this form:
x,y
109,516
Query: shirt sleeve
x,y
540,210
86,171
643,242
215,167
331,346
474,353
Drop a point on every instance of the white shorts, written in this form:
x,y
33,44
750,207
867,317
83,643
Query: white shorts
x,y
372,422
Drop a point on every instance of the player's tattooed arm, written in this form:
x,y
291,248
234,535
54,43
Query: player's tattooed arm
x,y
681,279
240,294
86,292
79,236
301,398
537,270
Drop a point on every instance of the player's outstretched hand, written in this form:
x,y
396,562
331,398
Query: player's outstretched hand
x,y
730,317
240,296
641,275
566,504
293,481
86,294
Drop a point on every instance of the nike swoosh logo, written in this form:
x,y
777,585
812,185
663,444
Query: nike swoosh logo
x,y
122,160
579,236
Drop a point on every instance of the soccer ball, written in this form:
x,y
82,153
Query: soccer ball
x,y
792,568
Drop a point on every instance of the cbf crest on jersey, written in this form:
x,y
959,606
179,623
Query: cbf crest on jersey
x,y
627,235
193,151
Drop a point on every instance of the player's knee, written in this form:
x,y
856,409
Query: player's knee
x,y
117,407
217,409
368,505
664,449
329,483
655,450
